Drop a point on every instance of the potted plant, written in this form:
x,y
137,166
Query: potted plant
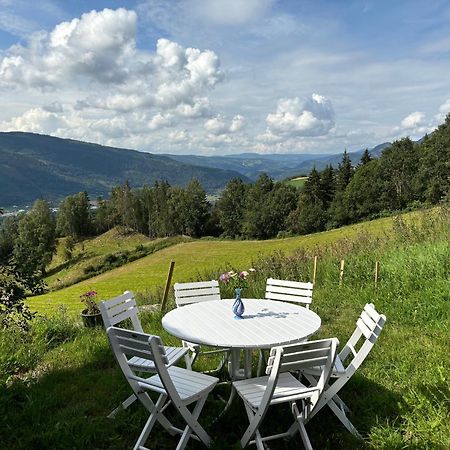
x,y
91,315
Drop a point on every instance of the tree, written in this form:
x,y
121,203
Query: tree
x,y
197,208
35,243
399,165
365,158
338,210
8,235
363,196
310,214
74,218
103,216
13,288
433,175
256,216
123,201
327,186
231,207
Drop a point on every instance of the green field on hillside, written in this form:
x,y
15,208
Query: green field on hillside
x,y
100,253
191,260
297,182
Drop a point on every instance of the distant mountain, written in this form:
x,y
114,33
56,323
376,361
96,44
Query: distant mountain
x,y
277,165
33,166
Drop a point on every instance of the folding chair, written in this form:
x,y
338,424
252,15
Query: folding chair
x,y
286,291
368,329
201,291
124,307
179,386
289,291
280,386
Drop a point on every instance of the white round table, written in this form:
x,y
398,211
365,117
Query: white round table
x,y
265,324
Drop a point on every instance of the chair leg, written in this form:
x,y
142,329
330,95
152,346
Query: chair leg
x,y
255,420
150,422
301,426
188,430
151,407
124,405
340,414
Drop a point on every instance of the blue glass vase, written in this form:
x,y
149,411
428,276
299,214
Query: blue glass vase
x,y
238,306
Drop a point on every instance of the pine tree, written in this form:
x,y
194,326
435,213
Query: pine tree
x,y
365,158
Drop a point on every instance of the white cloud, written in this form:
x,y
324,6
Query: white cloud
x,y
179,136
160,120
444,109
312,117
413,120
220,126
35,120
96,47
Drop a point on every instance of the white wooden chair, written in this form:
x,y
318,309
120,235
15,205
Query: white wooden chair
x,y
280,386
368,329
289,291
200,291
179,386
124,307
286,291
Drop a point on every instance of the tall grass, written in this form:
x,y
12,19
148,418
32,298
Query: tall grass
x,y
60,381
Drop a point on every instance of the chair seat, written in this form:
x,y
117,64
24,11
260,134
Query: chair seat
x,y
252,390
337,371
144,365
189,384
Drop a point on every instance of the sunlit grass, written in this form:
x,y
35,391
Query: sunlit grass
x,y
192,258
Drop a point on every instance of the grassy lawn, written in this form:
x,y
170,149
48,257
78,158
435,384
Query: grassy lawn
x,y
59,381
192,259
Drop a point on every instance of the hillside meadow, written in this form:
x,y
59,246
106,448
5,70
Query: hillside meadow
x,y
147,274
65,379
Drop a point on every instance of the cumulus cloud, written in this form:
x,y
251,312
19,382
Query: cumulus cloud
x,y
35,120
293,117
95,47
412,120
220,126
444,109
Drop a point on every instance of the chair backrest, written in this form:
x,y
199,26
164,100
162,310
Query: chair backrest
x,y
127,344
119,309
306,355
289,291
201,291
368,329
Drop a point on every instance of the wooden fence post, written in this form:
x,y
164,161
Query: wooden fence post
x,y
167,288
314,270
377,271
341,273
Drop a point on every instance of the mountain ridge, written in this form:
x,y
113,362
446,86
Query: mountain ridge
x,y
35,165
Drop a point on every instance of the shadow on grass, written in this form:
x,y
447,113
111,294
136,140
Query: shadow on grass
x,y
66,408
67,264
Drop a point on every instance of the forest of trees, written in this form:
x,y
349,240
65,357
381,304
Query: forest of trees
x,y
406,175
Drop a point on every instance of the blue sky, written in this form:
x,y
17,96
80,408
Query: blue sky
x,y
225,76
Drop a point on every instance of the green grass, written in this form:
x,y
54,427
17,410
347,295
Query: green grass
x,y
91,254
298,182
145,275
59,381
